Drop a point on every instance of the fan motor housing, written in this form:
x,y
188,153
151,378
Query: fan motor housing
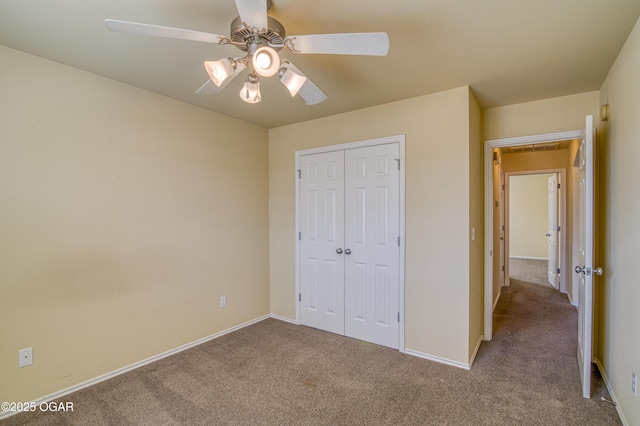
x,y
242,36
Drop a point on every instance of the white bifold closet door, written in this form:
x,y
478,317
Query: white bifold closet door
x,y
349,251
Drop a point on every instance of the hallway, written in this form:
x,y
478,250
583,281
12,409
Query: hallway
x,y
533,359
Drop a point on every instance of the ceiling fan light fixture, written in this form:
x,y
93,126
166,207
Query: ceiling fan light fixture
x,y
220,70
292,80
265,61
250,91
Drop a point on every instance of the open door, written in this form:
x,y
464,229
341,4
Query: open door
x,y
586,269
552,232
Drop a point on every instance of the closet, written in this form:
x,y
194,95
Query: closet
x,y
349,251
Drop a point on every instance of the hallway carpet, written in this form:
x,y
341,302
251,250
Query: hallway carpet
x,y
276,373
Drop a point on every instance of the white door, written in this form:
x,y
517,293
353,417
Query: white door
x,y
372,252
322,238
349,248
552,231
586,267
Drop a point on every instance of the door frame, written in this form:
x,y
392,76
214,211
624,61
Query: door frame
x,y
400,140
562,221
489,145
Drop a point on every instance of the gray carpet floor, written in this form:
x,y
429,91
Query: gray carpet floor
x,y
276,373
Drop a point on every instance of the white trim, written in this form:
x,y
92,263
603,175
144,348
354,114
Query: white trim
x,y
351,145
438,359
533,139
605,379
403,237
488,209
528,258
400,140
284,319
126,369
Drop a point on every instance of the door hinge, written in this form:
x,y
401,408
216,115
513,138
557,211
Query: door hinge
x,y
299,236
299,297
558,229
558,186
398,316
398,241
503,186
502,268
558,271
299,174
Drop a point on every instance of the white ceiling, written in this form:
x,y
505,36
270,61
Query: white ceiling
x,y
508,51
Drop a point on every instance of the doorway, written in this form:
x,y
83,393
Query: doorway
x,y
535,226
493,164
581,163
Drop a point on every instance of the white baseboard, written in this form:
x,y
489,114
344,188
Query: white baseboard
x,y
438,359
285,319
528,258
613,395
107,376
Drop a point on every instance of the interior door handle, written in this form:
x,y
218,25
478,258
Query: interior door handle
x,y
588,271
547,235
347,251
339,251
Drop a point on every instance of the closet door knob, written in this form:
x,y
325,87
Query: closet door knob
x,y
339,251
347,251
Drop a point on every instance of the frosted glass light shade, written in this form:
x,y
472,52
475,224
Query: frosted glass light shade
x,y
266,61
250,91
293,81
220,70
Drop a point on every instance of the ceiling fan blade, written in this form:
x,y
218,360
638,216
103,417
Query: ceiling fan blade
x,y
311,93
374,44
253,12
159,31
209,88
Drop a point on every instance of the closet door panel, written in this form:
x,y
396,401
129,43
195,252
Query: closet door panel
x,y
372,253
322,239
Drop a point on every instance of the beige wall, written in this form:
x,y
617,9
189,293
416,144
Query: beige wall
x,y
618,291
534,118
437,210
534,161
476,222
528,215
124,217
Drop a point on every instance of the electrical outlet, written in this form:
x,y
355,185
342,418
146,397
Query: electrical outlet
x,y
634,383
25,357
223,301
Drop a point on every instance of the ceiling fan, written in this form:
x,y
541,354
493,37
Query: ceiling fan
x,y
262,37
